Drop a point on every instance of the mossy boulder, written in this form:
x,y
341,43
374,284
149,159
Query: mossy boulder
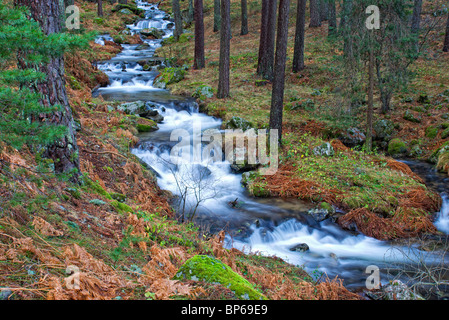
x,y
431,132
437,152
445,134
169,76
131,7
409,116
443,162
154,33
397,148
384,129
208,269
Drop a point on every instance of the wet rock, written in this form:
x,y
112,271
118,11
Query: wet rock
x,y
134,108
302,247
325,150
153,33
319,214
143,46
352,137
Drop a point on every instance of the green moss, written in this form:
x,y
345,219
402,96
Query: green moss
x,y
118,196
97,188
397,147
209,269
431,132
146,127
121,207
445,134
169,76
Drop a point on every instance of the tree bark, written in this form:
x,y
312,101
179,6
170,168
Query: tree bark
x,y
446,39
416,18
315,17
199,61
225,42
324,10
268,66
216,15
277,97
63,152
263,37
244,28
298,55
369,118
178,19
332,18
100,8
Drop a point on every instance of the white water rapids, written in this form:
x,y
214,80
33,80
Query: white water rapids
x,y
271,228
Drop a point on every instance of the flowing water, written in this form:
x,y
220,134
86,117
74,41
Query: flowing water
x,y
269,226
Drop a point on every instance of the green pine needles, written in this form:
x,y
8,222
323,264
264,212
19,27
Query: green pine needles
x,y
20,107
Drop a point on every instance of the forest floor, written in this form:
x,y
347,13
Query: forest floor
x,y
117,228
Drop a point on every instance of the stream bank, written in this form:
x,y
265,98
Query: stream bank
x,y
269,226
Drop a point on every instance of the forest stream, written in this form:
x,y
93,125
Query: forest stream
x,y
268,226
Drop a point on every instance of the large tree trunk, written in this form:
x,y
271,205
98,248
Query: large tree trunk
x,y
369,116
199,36
178,19
217,16
100,8
225,42
63,152
277,97
268,66
263,37
446,39
324,10
315,16
244,28
298,55
332,18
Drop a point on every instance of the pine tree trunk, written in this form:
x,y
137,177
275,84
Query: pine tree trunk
x,y
416,18
225,42
298,55
100,8
332,18
268,66
324,10
263,37
244,28
199,62
216,15
277,97
315,17
346,11
446,39
178,19
63,152
369,118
